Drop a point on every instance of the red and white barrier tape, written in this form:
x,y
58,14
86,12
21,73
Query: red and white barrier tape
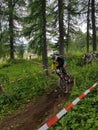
x,y
54,119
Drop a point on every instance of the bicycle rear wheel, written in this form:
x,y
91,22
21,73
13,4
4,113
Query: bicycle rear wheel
x,y
63,85
68,78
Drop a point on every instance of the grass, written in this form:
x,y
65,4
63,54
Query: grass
x,y
29,81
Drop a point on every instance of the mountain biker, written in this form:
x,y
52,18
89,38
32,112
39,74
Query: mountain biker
x,y
58,63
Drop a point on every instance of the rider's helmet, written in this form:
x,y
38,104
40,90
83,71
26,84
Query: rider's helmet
x,y
54,55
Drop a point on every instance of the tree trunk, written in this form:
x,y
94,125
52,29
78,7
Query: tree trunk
x,y
11,26
0,33
88,25
68,31
44,44
0,25
93,26
61,27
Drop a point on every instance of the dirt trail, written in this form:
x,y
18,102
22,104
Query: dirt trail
x,y
36,114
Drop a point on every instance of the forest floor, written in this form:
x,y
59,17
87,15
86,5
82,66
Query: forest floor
x,y
34,115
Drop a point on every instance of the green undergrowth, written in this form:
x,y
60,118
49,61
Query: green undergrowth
x,y
23,82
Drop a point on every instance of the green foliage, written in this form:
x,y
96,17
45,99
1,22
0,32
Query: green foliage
x,y
27,84
11,11
20,51
4,78
33,27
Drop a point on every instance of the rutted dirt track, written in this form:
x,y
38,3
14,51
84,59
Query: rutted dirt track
x,y
36,114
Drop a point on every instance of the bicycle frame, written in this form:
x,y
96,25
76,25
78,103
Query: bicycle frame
x,y
64,81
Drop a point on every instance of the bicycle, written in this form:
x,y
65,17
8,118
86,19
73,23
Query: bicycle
x,y
64,81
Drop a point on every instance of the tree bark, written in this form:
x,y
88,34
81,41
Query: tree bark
x,y
11,26
93,26
88,25
68,31
44,43
61,27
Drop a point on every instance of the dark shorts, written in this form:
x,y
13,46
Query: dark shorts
x,y
61,68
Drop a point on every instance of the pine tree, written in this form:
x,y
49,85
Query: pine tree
x,y
12,11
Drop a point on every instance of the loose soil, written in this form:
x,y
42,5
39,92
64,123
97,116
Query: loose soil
x,y
34,115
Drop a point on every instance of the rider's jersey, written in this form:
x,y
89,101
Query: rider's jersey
x,y
59,62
